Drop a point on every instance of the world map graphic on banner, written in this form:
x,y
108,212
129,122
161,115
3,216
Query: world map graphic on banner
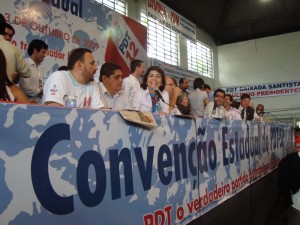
x,y
80,166
65,25
75,166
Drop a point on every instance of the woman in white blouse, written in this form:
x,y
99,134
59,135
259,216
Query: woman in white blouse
x,y
152,97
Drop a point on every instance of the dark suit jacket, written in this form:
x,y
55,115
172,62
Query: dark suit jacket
x,y
289,176
249,111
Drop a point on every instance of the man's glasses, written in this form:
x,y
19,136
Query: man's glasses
x,y
172,85
7,34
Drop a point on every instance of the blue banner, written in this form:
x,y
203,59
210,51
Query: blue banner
x,y
79,166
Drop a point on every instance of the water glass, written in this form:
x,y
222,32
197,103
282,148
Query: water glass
x,y
70,101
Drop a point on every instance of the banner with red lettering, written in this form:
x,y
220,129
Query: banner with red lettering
x,y
177,72
65,25
171,19
265,90
126,42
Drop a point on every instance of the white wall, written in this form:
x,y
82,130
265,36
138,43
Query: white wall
x,y
265,60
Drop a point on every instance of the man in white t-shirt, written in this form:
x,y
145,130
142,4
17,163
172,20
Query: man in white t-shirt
x,y
131,84
77,82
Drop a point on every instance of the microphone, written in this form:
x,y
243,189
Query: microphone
x,y
276,119
157,92
261,112
214,108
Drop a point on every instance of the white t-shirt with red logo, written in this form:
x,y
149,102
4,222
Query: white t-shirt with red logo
x,y
62,83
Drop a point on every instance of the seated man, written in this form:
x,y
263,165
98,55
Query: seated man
x,y
247,112
259,114
232,113
173,92
111,92
215,108
77,81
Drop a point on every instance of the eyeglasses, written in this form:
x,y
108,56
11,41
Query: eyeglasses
x,y
173,85
7,34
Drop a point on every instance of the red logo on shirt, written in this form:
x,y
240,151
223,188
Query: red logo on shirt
x,y
53,90
87,101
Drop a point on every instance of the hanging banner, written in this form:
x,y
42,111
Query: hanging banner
x,y
177,72
171,19
65,25
126,42
80,166
265,90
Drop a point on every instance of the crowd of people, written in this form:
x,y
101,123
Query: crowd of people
x,y
150,90
143,89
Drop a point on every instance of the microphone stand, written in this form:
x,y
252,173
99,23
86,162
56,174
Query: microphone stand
x,y
158,93
276,119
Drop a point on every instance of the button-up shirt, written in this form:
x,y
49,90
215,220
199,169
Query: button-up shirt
x,y
117,101
142,101
32,85
14,59
131,86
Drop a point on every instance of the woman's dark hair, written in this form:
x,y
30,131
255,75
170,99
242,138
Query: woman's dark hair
x,y
3,78
198,83
159,70
230,97
174,81
2,24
